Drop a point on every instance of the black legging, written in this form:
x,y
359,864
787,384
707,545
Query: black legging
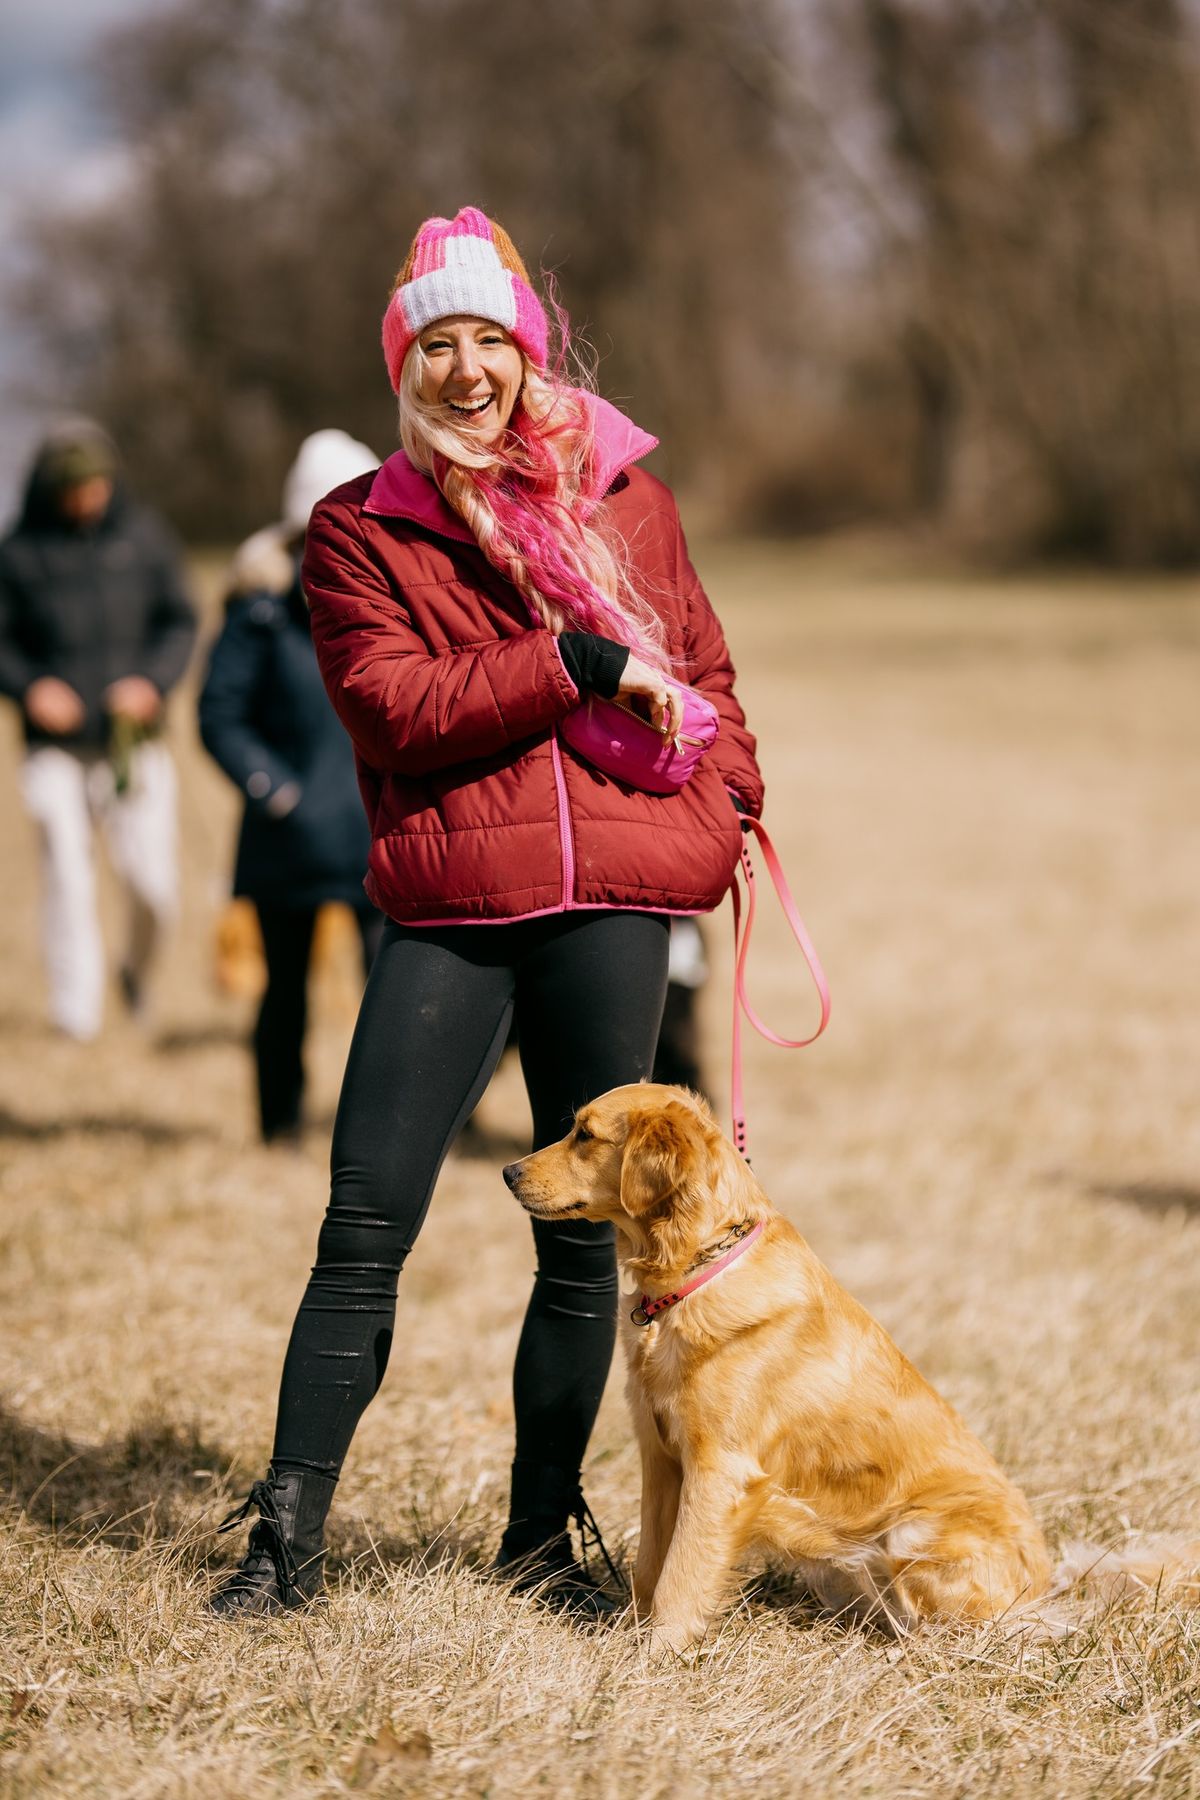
x,y
287,935
588,991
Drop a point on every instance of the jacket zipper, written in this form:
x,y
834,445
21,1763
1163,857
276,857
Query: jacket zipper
x,y
565,839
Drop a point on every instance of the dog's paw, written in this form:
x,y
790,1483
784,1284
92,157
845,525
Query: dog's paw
x,y
671,1643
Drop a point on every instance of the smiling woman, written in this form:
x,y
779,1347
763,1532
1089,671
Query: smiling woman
x,y
471,369
509,562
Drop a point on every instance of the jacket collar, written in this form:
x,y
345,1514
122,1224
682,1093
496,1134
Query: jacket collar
x,y
399,491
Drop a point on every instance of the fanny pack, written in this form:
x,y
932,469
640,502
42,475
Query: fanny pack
x,y
616,739
741,947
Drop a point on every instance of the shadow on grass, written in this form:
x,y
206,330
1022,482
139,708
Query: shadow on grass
x,y
777,1591
162,1487
355,1548
437,1536
214,1034
1151,1196
128,1491
15,1127
162,1483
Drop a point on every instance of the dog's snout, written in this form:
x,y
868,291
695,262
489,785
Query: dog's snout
x,y
512,1174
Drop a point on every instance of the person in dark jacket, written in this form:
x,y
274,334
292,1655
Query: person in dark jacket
x,y
266,719
677,1059
510,561
95,630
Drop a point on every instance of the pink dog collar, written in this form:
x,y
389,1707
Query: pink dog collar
x,y
647,1310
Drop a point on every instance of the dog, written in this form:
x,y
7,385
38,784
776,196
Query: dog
x,y
771,1410
335,958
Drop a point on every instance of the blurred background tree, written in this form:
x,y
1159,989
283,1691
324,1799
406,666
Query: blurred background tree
x,y
931,260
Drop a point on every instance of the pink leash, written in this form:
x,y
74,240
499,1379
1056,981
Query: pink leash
x,y
741,945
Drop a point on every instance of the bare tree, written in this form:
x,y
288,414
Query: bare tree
x,y
1053,154
847,257
287,151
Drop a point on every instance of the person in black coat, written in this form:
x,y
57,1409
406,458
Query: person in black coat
x,y
95,629
266,719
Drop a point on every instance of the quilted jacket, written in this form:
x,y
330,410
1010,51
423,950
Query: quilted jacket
x,y
452,695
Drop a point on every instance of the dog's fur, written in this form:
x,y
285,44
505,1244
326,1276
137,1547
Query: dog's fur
x,y
334,962
771,1410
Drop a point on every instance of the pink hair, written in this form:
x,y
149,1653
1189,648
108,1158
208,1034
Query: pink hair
x,y
530,502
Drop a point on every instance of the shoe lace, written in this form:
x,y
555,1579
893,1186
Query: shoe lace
x,y
585,1518
268,1538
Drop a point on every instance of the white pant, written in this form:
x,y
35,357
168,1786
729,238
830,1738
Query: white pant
x,y
65,792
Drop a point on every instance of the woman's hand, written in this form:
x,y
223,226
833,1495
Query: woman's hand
x,y
640,681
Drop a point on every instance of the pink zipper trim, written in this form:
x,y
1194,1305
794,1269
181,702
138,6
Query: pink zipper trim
x,y
538,912
565,836
552,912
613,474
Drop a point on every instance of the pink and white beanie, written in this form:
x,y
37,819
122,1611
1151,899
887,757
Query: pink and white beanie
x,y
470,265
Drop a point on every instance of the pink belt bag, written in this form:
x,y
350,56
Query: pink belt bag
x,y
618,740
741,947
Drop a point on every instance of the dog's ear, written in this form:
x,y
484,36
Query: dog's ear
x,y
662,1150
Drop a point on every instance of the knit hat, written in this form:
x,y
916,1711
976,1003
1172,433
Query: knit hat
x,y
323,462
469,265
77,450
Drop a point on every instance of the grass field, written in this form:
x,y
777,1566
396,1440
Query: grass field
x,y
987,793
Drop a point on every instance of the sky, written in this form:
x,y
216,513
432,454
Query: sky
x,y
53,141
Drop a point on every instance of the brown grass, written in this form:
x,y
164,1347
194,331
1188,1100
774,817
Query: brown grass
x,y
987,795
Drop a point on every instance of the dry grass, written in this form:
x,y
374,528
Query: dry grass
x,y
987,794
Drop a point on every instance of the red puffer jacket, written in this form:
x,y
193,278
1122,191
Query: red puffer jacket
x,y
478,810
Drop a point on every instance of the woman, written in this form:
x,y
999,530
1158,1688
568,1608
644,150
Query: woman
x,y
265,719
509,560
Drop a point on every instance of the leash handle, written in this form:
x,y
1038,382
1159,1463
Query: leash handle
x,y
741,946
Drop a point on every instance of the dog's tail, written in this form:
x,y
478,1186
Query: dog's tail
x,y
1152,1565
1090,1581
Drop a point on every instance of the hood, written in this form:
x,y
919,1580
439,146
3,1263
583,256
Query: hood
x,y
72,451
401,491
324,461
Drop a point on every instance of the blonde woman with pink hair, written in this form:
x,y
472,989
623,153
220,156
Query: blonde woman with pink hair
x,y
509,562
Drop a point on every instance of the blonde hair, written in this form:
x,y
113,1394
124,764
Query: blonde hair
x,y
529,500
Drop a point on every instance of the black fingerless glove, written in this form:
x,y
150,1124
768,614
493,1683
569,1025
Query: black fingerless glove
x,y
593,662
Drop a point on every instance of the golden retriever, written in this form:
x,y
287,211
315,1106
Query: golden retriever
x,y
771,1410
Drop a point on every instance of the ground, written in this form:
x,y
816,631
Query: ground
x,y
986,793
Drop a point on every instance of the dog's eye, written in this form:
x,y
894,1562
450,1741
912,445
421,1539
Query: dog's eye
x,y
582,1135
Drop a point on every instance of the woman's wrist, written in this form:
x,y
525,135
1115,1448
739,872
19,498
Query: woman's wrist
x,y
740,808
593,662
